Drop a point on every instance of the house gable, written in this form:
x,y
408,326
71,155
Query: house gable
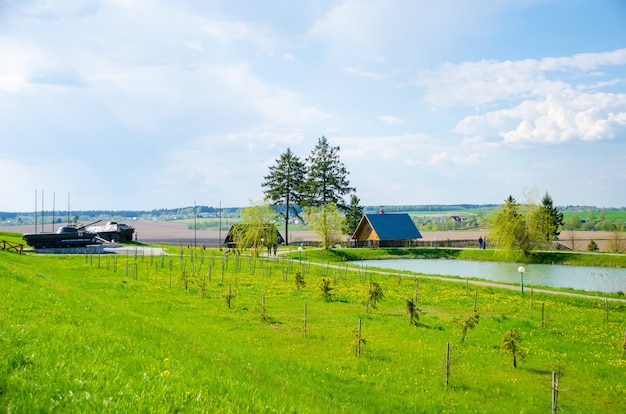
x,y
386,227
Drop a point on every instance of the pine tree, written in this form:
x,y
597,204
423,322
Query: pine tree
x,y
354,213
283,185
327,178
552,218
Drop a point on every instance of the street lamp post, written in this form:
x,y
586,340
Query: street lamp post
x,y
521,271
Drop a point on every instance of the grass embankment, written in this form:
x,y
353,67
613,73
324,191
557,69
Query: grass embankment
x,y
541,257
155,334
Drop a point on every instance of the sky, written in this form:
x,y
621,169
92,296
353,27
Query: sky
x,y
150,104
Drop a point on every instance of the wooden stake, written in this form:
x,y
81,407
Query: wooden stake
x,y
624,345
358,340
417,294
447,363
263,306
543,320
555,391
475,300
606,309
304,328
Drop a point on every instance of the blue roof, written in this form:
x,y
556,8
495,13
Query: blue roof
x,y
392,226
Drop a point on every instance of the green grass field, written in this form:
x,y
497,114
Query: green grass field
x,y
113,333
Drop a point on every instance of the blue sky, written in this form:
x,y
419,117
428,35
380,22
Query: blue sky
x,y
138,104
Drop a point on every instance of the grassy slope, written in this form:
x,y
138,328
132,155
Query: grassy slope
x,y
80,334
548,257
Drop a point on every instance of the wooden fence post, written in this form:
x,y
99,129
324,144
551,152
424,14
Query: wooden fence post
x,y
358,340
555,391
447,363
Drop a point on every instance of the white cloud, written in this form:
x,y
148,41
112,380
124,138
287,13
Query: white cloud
x,y
363,74
233,31
486,81
390,120
60,9
571,115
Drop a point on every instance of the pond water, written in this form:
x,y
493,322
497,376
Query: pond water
x,y
600,279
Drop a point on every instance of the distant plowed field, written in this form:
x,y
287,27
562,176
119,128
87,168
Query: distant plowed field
x,y
175,233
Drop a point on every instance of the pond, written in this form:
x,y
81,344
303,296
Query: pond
x,y
609,280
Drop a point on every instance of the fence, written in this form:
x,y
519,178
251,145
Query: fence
x,y
5,245
414,243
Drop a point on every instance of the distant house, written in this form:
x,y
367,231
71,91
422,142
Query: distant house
x,y
385,230
267,236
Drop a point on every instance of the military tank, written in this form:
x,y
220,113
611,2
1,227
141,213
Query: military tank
x,y
113,231
65,236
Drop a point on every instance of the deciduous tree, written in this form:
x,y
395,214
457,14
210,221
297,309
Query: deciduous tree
x,y
257,227
512,229
326,221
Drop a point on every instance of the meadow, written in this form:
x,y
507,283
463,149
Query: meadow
x,y
202,331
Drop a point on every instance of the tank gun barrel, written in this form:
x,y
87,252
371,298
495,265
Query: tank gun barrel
x,y
87,225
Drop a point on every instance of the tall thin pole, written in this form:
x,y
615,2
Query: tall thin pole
x,y
53,207
195,226
219,241
42,210
447,363
68,209
36,228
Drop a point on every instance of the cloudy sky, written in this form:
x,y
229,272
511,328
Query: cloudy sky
x,y
143,104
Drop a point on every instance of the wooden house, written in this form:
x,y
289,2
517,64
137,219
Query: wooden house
x,y
385,230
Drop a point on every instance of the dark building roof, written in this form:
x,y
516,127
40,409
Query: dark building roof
x,y
386,227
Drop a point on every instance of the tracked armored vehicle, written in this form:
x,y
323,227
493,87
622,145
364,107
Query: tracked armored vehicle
x,y
113,232
66,236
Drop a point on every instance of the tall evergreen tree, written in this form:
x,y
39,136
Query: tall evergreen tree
x,y
354,213
284,184
552,218
327,179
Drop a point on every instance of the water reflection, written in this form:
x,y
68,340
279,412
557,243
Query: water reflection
x,y
576,277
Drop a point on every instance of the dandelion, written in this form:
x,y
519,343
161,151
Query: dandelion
x,y
166,373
